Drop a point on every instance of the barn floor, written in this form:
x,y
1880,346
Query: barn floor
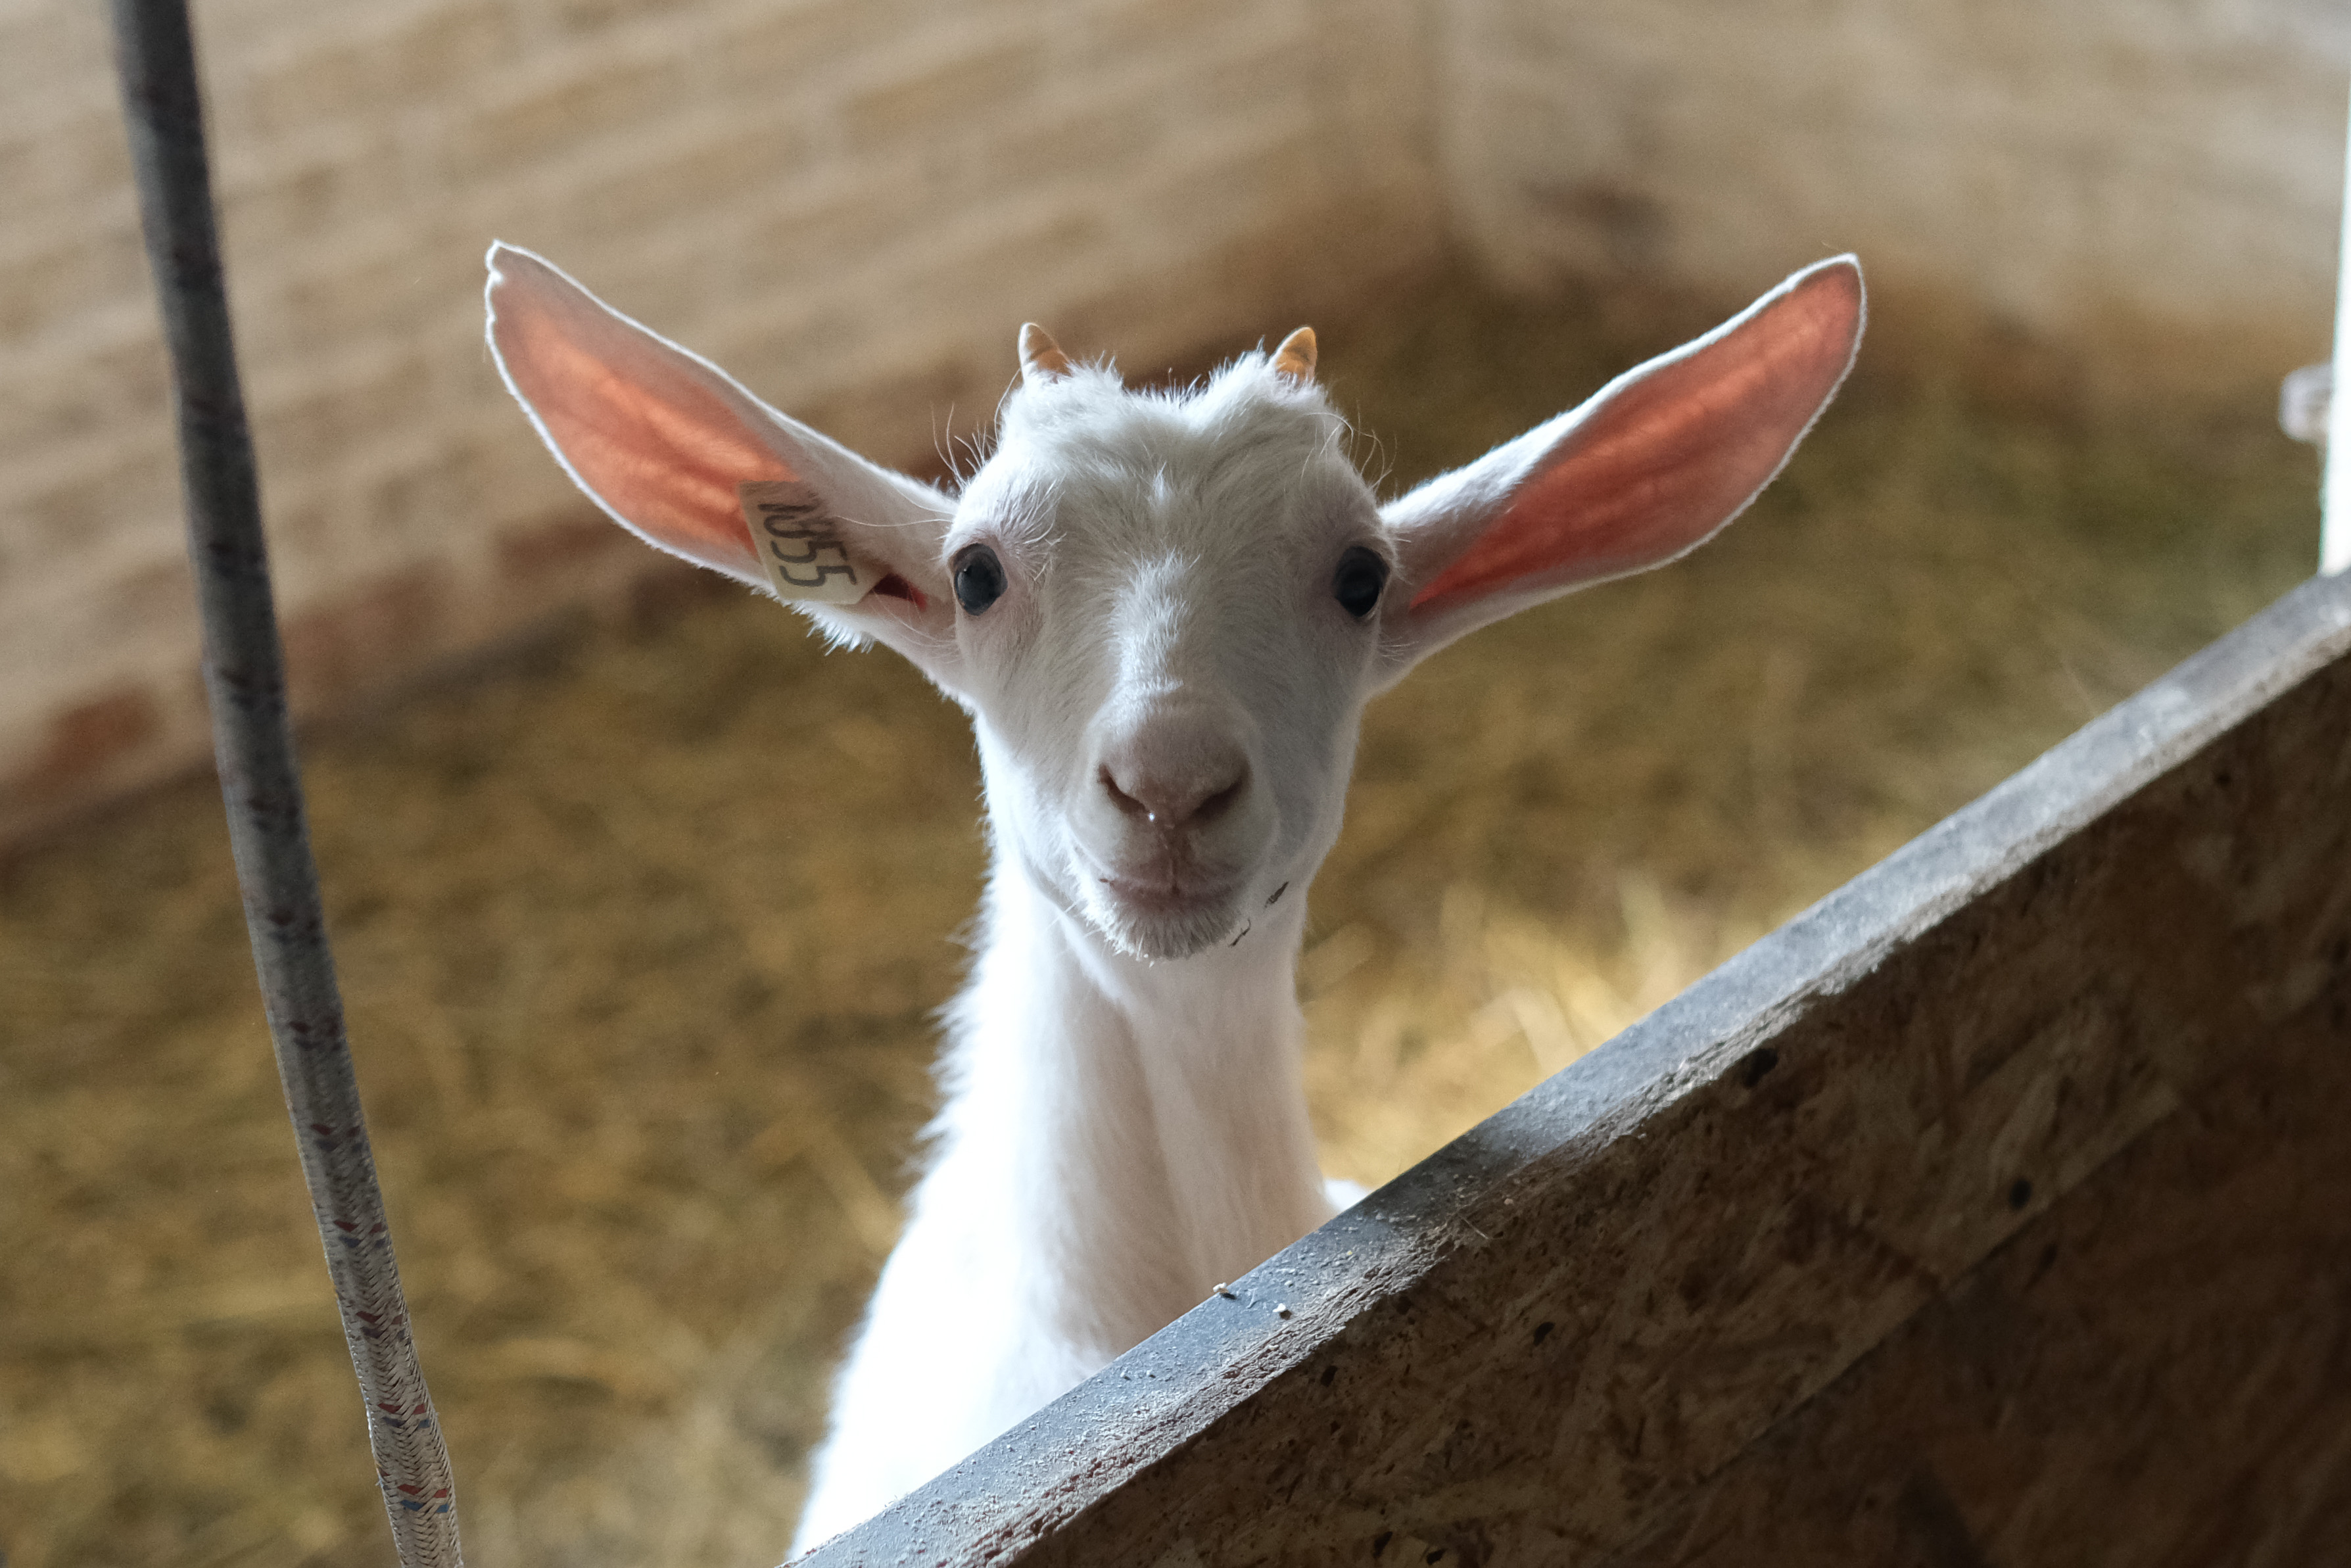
x,y
644,1046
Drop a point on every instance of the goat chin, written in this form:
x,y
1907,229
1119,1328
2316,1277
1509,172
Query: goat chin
x,y
1163,929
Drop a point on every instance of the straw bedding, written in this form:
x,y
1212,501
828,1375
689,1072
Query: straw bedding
x,y
642,932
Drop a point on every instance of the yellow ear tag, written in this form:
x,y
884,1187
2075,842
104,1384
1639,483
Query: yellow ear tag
x,y
798,542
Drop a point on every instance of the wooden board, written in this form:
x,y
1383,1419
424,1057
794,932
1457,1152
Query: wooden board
x,y
1996,1210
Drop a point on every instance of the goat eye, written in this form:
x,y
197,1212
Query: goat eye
x,y
1361,576
978,579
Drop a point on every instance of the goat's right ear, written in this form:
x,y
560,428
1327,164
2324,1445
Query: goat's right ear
x,y
661,438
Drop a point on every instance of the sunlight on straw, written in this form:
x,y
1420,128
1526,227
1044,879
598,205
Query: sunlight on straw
x,y
1417,1046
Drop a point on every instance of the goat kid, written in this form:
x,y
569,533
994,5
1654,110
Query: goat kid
x,y
1163,612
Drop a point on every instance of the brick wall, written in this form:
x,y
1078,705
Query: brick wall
x,y
853,202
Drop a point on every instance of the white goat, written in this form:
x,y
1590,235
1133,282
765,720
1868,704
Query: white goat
x,y
1164,612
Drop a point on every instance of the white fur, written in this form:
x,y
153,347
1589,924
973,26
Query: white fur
x,y
1167,698
1123,1131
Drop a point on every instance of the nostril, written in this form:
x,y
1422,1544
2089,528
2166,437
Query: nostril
x,y
1217,804
1165,804
1126,802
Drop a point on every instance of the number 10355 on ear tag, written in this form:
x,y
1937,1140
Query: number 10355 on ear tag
x,y
800,546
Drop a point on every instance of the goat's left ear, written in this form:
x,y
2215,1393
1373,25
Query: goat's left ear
x,y
1649,468
663,440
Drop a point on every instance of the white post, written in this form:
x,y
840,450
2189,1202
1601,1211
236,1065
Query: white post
x,y
2335,498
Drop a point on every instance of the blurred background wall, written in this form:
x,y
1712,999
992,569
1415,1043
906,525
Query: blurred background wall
x,y
854,204
2112,170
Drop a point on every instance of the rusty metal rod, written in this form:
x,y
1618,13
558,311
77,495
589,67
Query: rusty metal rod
x,y
260,784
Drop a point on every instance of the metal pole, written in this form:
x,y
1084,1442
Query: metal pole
x,y
245,677
2334,498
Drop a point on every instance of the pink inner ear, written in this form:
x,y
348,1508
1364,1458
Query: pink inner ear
x,y
1671,457
658,447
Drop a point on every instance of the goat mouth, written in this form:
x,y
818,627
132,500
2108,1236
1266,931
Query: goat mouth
x,y
1163,899
1162,917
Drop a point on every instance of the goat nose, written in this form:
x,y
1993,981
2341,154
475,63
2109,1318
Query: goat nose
x,y
1189,791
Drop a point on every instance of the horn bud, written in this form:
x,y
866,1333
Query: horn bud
x,y
1041,359
1295,358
